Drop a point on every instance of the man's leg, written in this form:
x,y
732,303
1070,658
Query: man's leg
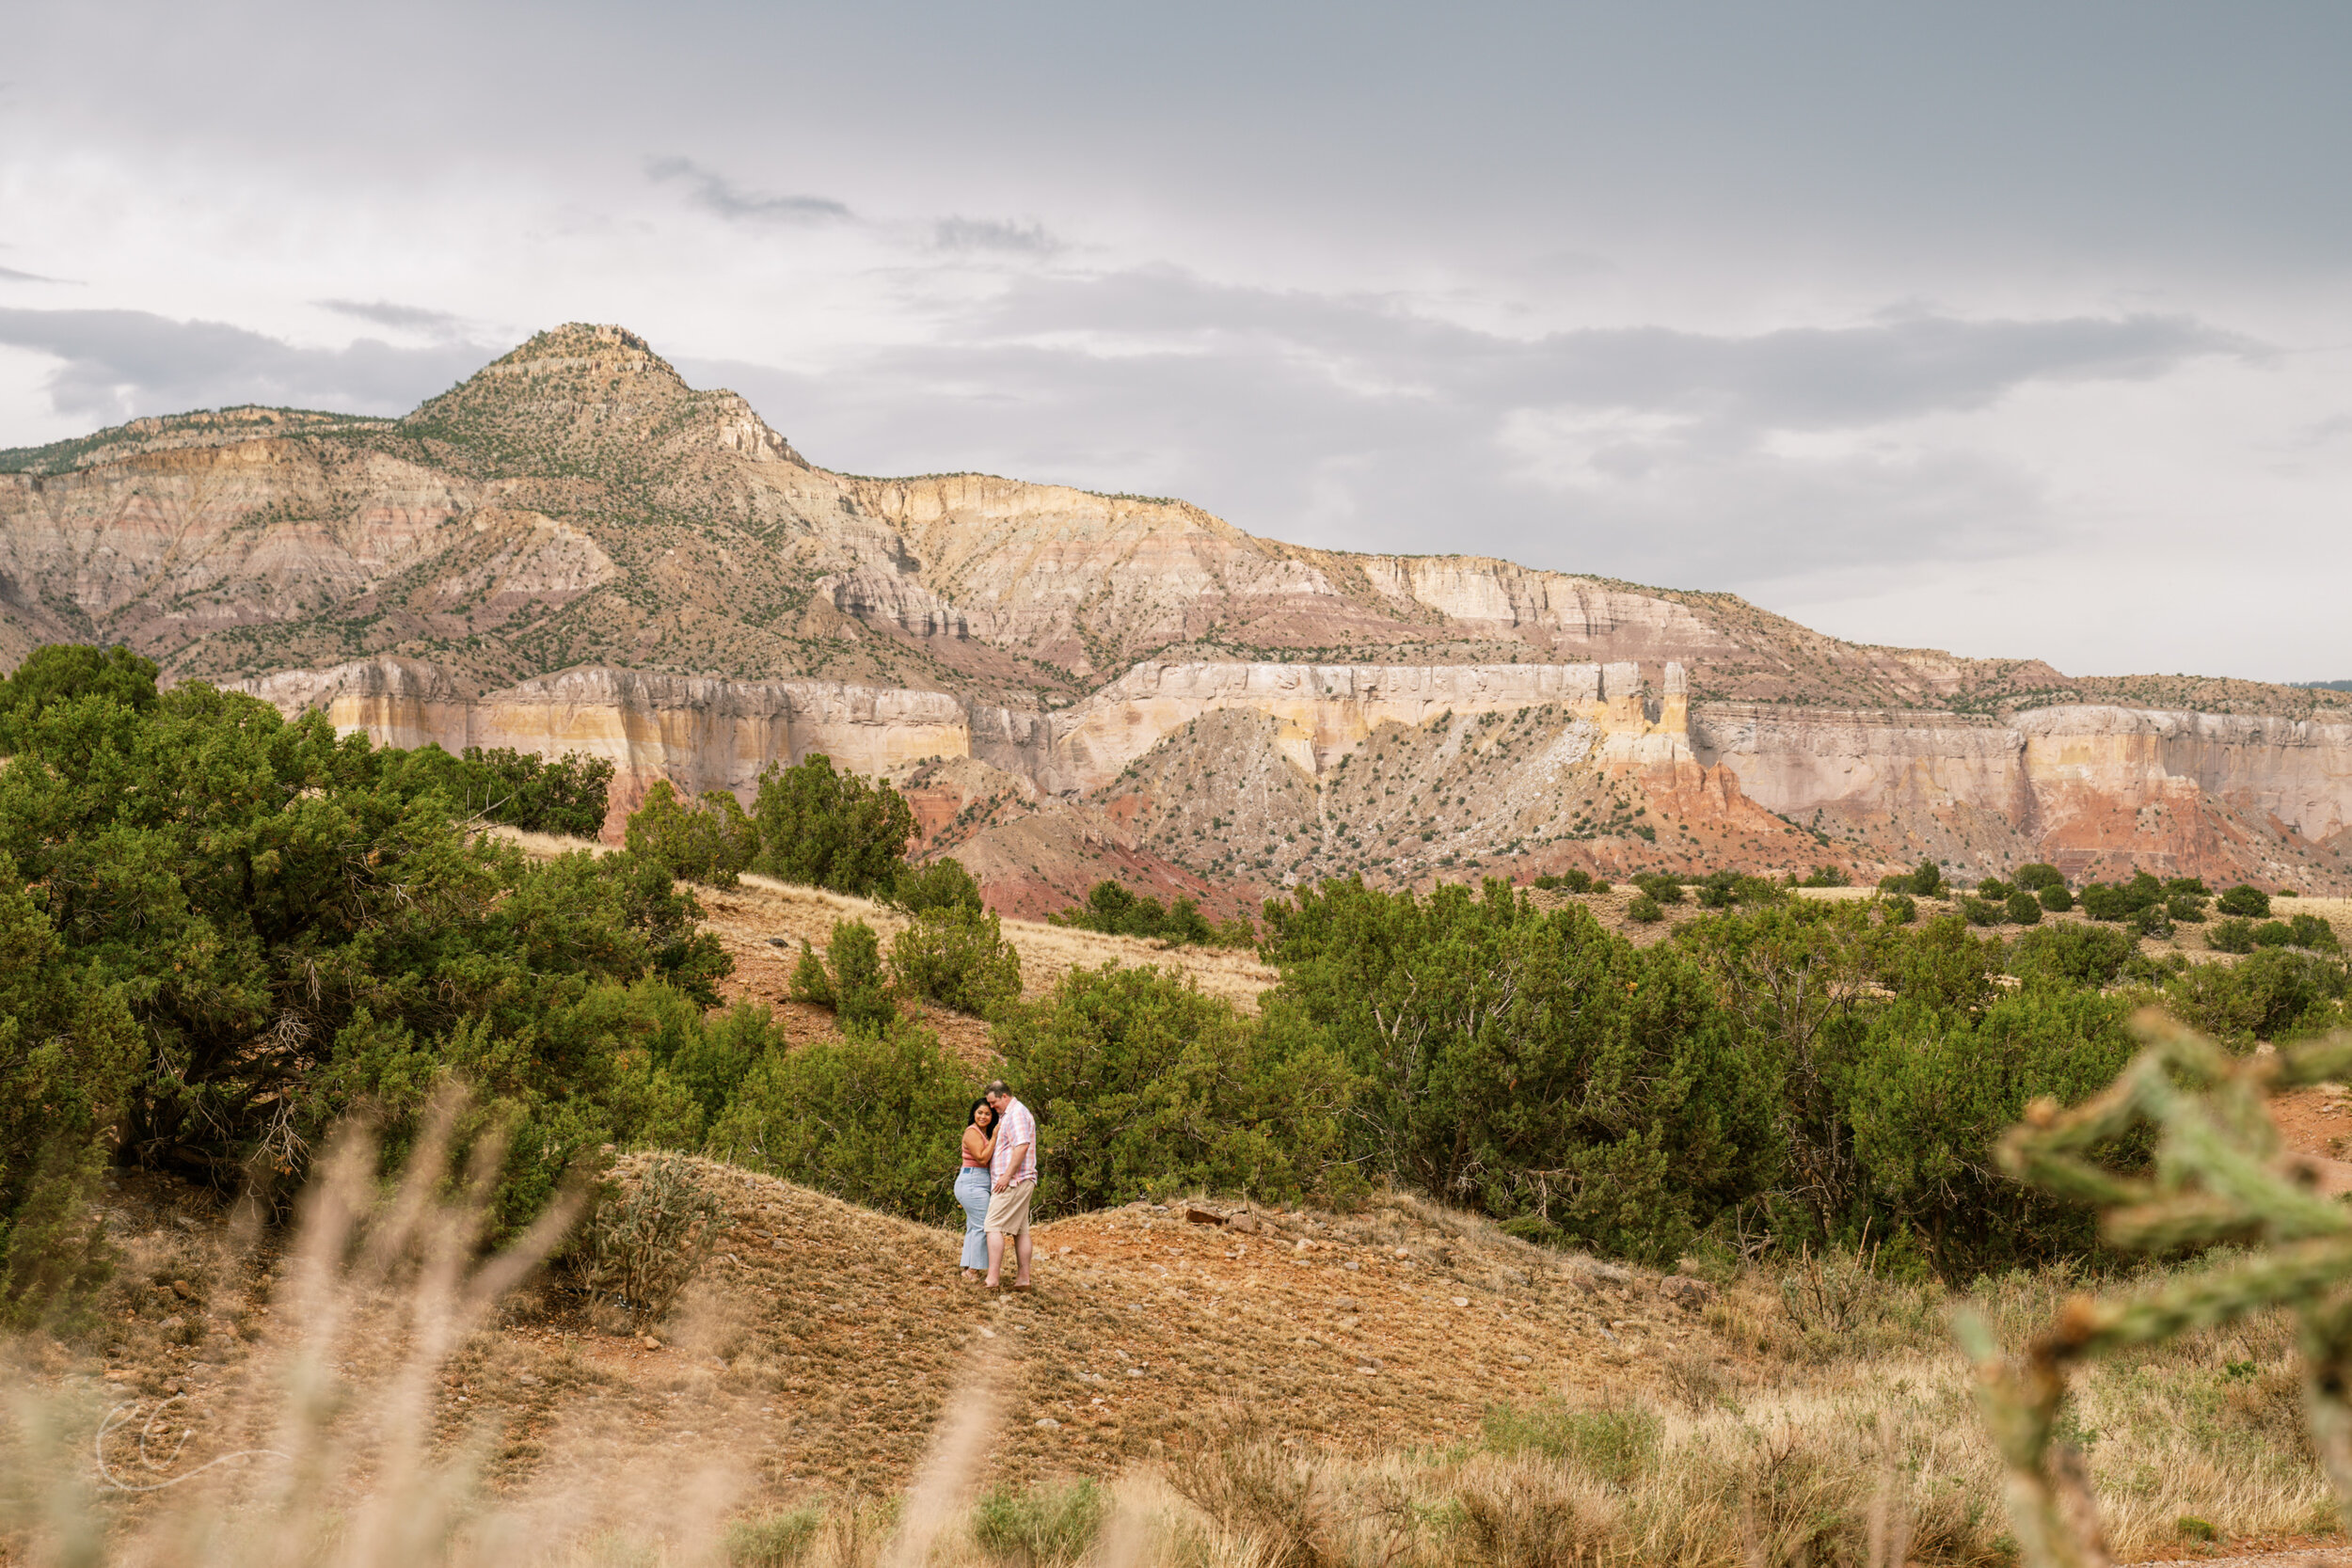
x,y
1021,1249
996,1253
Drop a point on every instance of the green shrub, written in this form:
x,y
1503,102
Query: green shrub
x,y
1529,1062
63,674
957,957
2304,930
1574,879
1143,1086
567,795
2230,936
875,1118
848,979
1982,911
829,830
2055,897
2151,920
1994,890
2024,908
2193,887
777,1540
1645,908
1043,1525
1827,875
1114,911
2087,956
1932,1090
1897,908
2309,930
298,929
69,1061
709,842
1927,882
941,884
1723,890
2246,901
1616,1445
2273,994
812,982
2186,907
2039,875
1661,887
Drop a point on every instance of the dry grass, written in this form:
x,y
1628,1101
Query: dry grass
x,y
1246,1400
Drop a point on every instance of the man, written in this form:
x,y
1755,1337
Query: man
x,y
1012,1173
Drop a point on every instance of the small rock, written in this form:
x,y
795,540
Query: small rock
x,y
180,1289
528,1380
779,941
1203,1217
1048,1423
1134,1372
175,1320
1245,1224
1346,1304
1461,1301
1354,1267
649,1342
1688,1293
1403,1252
988,1334
1522,1360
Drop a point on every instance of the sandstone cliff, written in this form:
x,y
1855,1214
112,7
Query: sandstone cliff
x,y
575,550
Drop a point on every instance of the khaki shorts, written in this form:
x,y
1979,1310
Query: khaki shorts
x,y
1009,1210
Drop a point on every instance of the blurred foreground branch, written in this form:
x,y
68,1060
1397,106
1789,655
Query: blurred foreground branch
x,y
2220,1175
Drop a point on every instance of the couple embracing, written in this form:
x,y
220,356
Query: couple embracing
x,y
998,1179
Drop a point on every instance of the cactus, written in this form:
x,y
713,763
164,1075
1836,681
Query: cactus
x,y
2219,1175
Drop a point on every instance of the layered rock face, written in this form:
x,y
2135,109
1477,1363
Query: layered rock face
x,y
574,550
699,733
2098,790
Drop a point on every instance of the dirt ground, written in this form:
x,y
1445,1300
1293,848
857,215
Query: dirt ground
x,y
825,1338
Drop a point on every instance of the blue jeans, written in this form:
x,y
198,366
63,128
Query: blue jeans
x,y
972,1191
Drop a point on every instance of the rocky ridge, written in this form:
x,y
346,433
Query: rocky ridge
x,y
575,550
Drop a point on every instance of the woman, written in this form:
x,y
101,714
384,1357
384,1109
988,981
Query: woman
x,y
972,1187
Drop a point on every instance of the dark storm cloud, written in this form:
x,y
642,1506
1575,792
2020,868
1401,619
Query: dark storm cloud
x,y
119,364
1649,453
730,201
1800,378
406,318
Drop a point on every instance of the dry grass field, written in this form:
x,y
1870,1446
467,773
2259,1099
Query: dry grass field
x,y
1397,1386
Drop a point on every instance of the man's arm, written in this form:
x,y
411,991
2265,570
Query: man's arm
x,y
1012,1168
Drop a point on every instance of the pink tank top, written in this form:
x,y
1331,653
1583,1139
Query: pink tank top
x,y
969,1163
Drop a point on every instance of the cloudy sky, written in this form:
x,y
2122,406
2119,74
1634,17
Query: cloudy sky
x,y
2014,329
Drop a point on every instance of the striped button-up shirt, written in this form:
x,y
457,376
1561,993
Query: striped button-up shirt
x,y
1015,1129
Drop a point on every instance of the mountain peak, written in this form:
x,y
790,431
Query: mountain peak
x,y
586,387
585,341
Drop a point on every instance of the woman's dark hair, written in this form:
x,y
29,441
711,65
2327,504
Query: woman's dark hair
x,y
976,1111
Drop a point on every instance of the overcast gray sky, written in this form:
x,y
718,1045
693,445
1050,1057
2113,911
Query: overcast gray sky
x,y
2011,329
